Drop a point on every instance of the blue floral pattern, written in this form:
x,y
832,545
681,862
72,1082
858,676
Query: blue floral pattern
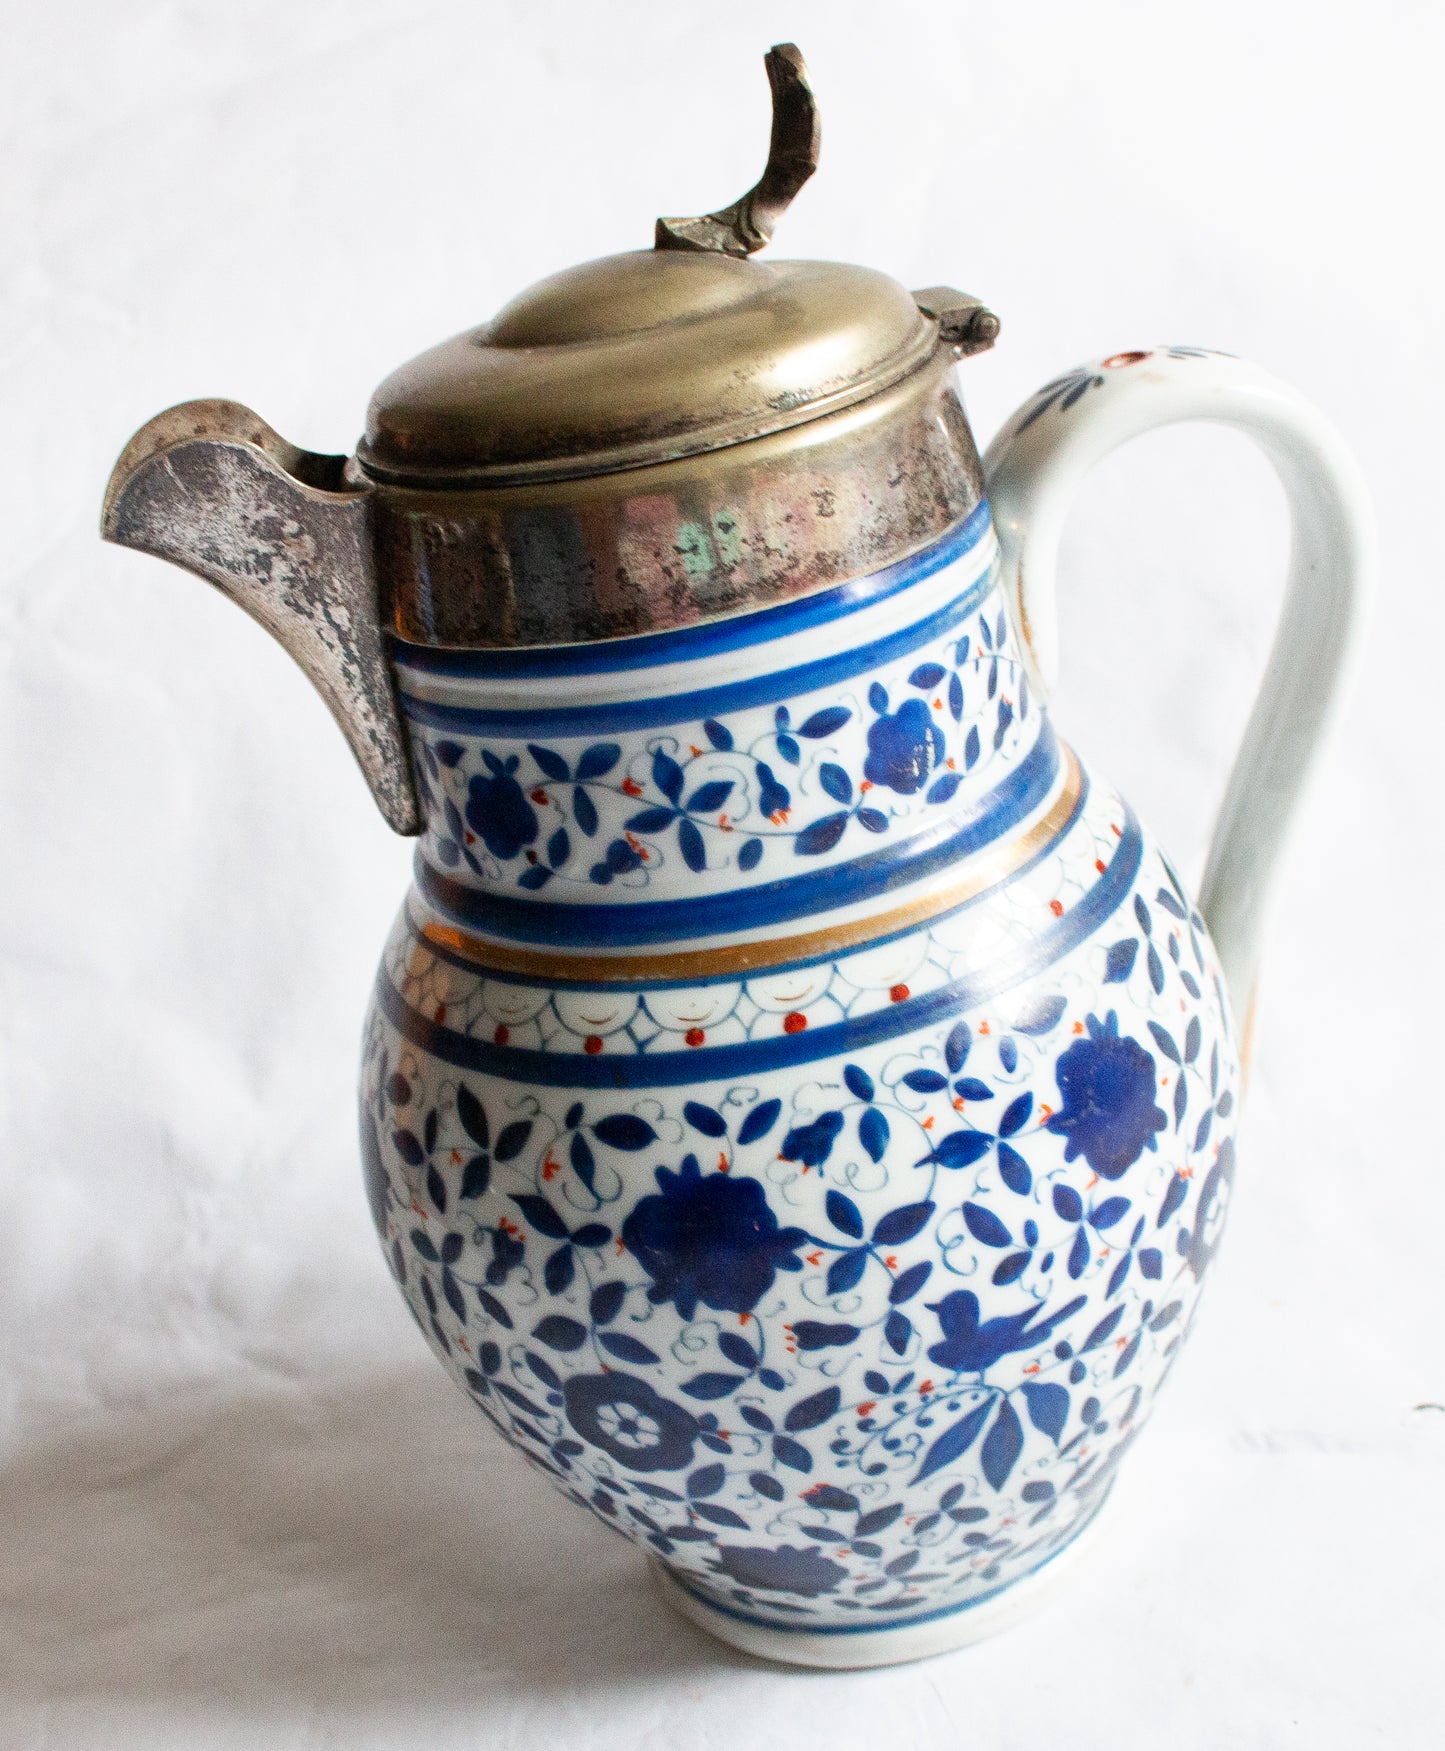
x,y
709,1238
747,795
842,1285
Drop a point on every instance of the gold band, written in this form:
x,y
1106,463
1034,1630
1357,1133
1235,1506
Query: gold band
x,y
693,965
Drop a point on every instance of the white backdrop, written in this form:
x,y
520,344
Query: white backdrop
x,y
239,1503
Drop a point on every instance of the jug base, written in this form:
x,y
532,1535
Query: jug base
x,y
895,1644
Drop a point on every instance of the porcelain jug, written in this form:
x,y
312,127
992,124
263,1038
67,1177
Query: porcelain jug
x,y
799,1098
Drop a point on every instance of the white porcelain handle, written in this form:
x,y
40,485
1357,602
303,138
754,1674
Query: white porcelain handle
x,y
1034,467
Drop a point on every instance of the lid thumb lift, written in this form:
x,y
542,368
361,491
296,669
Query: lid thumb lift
x,y
747,224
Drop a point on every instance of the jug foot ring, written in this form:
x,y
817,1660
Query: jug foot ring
x,y
891,1645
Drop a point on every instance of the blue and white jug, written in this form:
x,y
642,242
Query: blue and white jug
x,y
799,1098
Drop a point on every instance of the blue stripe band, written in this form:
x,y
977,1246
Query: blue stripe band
x,y
632,924
707,1064
613,716
709,640
555,980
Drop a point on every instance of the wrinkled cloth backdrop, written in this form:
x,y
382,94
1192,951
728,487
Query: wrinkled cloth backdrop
x,y
240,1505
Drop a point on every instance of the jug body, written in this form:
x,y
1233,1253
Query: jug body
x,y
798,1100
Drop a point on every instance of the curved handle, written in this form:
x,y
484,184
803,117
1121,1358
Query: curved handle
x,y
1034,467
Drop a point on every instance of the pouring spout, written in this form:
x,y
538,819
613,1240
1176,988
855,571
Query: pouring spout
x,y
287,535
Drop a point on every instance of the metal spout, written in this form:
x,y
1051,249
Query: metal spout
x,y
287,535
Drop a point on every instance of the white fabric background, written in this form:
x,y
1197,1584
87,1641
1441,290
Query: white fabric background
x,y
240,1506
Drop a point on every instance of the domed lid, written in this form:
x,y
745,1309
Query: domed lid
x,y
662,353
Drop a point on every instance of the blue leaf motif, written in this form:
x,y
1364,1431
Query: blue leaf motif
x,y
1068,1203
598,760
759,1121
954,1441
560,1333
792,1453
1119,962
1048,1407
667,775
907,1284
1002,1445
962,1148
901,1224
925,1081
559,848
704,1118
873,1132
584,812
984,1226
836,782
897,1329
718,734
550,762
689,843
824,722
1016,1115
971,749
927,676
821,836
857,1081
1112,1210
943,788
789,750
750,854
878,696
625,1348
536,877
737,1350
621,1131
713,1385
809,1412
708,798
955,698
956,1047
449,753
847,1270
1013,1169
651,820
844,1214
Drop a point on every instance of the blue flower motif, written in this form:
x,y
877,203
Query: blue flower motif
x,y
789,1569
497,809
630,1422
709,1238
1108,1084
903,748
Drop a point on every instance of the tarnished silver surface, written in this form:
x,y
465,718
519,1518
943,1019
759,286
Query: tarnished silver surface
x,y
793,151
695,539
286,534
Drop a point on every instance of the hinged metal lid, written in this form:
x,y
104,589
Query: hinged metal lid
x,y
658,354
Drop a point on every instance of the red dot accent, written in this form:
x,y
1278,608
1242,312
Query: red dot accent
x,y
1057,908
897,993
694,1036
592,1043
503,1034
794,1022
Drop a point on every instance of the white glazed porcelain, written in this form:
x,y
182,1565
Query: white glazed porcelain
x,y
830,1227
